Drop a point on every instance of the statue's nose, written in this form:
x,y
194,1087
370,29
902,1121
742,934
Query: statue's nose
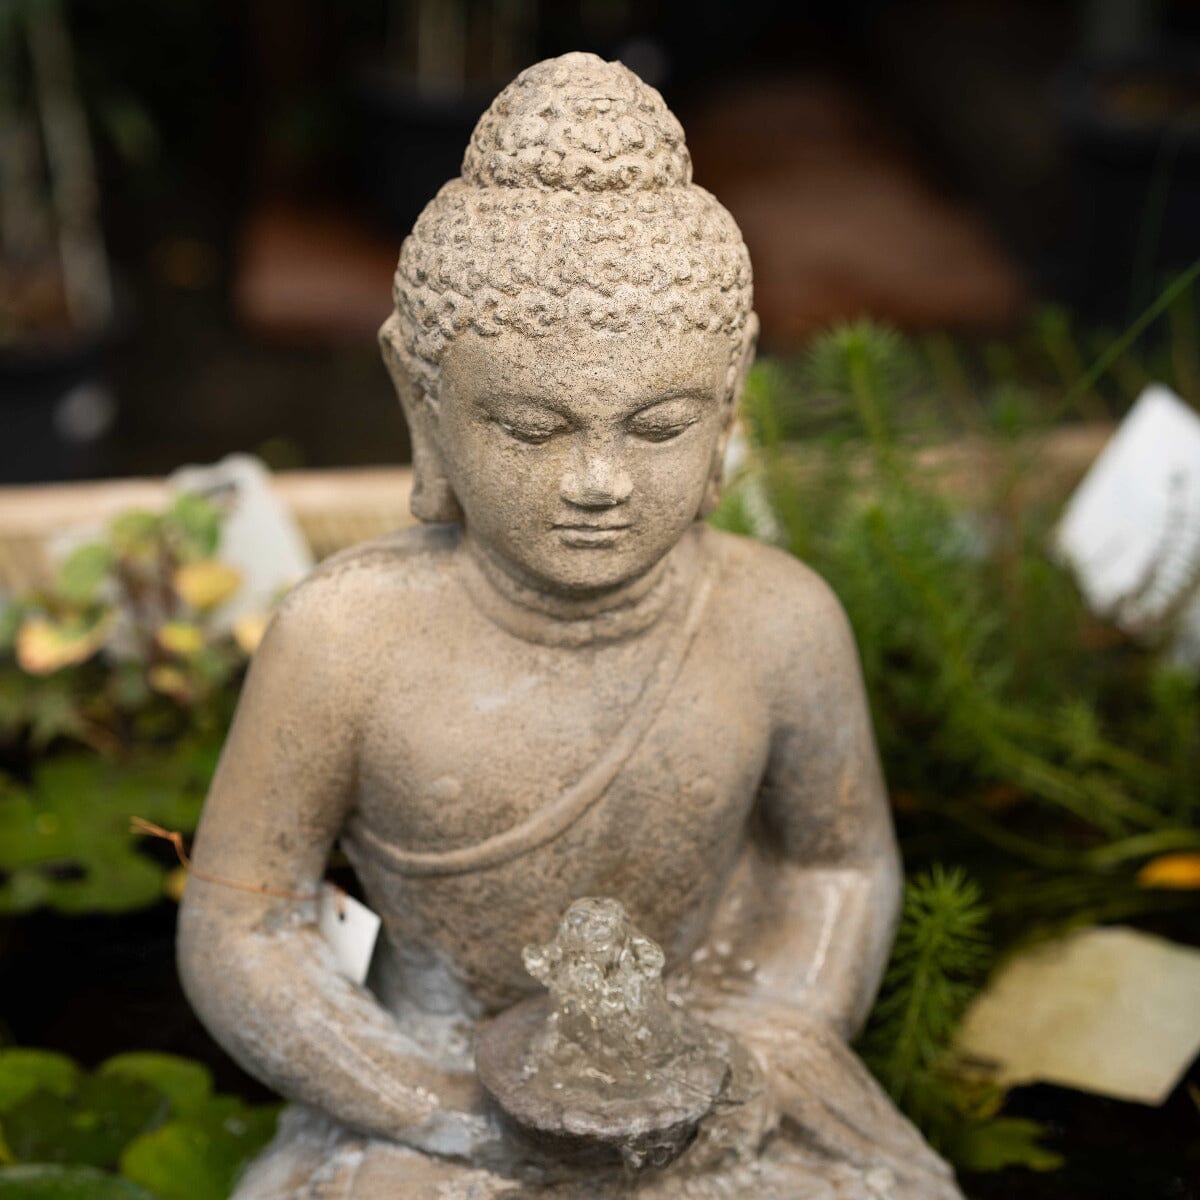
x,y
596,479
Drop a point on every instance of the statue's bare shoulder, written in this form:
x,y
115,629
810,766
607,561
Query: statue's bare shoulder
x,y
334,623
410,559
784,618
352,585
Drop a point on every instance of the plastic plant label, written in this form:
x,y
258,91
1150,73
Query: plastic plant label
x,y
1112,1011
350,928
1132,529
259,538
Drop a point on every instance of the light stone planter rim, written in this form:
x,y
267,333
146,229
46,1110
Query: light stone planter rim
x,y
339,507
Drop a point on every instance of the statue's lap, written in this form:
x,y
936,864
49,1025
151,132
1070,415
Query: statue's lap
x,y
312,1160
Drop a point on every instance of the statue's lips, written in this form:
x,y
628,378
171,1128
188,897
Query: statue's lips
x,y
584,534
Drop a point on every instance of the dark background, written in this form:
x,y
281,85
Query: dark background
x,y
935,163
938,164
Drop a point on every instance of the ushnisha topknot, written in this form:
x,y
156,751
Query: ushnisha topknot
x,y
578,124
575,204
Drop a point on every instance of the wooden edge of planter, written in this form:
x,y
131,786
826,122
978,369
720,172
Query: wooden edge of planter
x,y
333,509
337,508
1047,466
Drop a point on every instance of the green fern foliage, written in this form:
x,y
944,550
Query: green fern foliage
x,y
941,955
986,674
867,365
1035,746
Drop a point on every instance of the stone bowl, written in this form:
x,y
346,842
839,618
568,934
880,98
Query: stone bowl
x,y
588,1120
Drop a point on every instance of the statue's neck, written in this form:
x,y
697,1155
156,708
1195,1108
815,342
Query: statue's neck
x,y
560,618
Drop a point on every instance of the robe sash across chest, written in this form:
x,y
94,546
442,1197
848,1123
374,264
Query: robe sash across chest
x,y
554,819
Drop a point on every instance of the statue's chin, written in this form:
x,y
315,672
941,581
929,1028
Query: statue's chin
x,y
592,583
584,567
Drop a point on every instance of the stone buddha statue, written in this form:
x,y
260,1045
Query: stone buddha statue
x,y
562,684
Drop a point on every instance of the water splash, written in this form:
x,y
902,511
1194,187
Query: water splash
x,y
614,1051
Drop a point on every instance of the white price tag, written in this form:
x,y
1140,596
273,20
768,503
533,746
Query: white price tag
x,y
1132,529
350,929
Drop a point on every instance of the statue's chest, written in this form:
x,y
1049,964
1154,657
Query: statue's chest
x,y
486,742
492,743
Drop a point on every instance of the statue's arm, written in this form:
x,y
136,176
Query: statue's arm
x,y
826,829
254,965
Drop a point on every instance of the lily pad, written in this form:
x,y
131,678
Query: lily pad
x,y
199,1159
195,524
90,1126
45,646
65,841
23,1072
83,571
187,1085
152,1116
135,533
181,638
44,705
206,583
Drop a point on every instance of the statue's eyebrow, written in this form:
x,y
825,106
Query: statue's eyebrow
x,y
680,393
521,399
496,400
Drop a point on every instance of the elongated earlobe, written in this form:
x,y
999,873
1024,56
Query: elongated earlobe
x,y
433,499
738,370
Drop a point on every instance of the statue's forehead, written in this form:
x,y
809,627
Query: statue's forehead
x,y
647,360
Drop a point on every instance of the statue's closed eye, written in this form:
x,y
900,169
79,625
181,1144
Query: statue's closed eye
x,y
655,430
530,435
663,421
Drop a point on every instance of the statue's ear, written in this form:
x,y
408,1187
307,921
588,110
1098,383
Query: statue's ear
x,y
745,360
739,368
433,498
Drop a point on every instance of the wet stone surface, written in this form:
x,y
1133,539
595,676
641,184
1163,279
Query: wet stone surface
x,y
604,1066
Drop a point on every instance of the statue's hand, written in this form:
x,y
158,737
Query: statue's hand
x,y
819,1088
467,1135
743,1117
460,1125
475,1133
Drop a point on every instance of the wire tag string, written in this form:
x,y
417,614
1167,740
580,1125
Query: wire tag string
x,y
144,828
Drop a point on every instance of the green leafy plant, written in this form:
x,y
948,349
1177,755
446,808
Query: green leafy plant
x,y
942,952
42,1181
65,840
124,657
141,1126
123,647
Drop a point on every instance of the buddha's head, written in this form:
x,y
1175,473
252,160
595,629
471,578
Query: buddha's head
x,y
572,328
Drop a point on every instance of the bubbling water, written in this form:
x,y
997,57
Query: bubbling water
x,y
613,1042
610,1008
